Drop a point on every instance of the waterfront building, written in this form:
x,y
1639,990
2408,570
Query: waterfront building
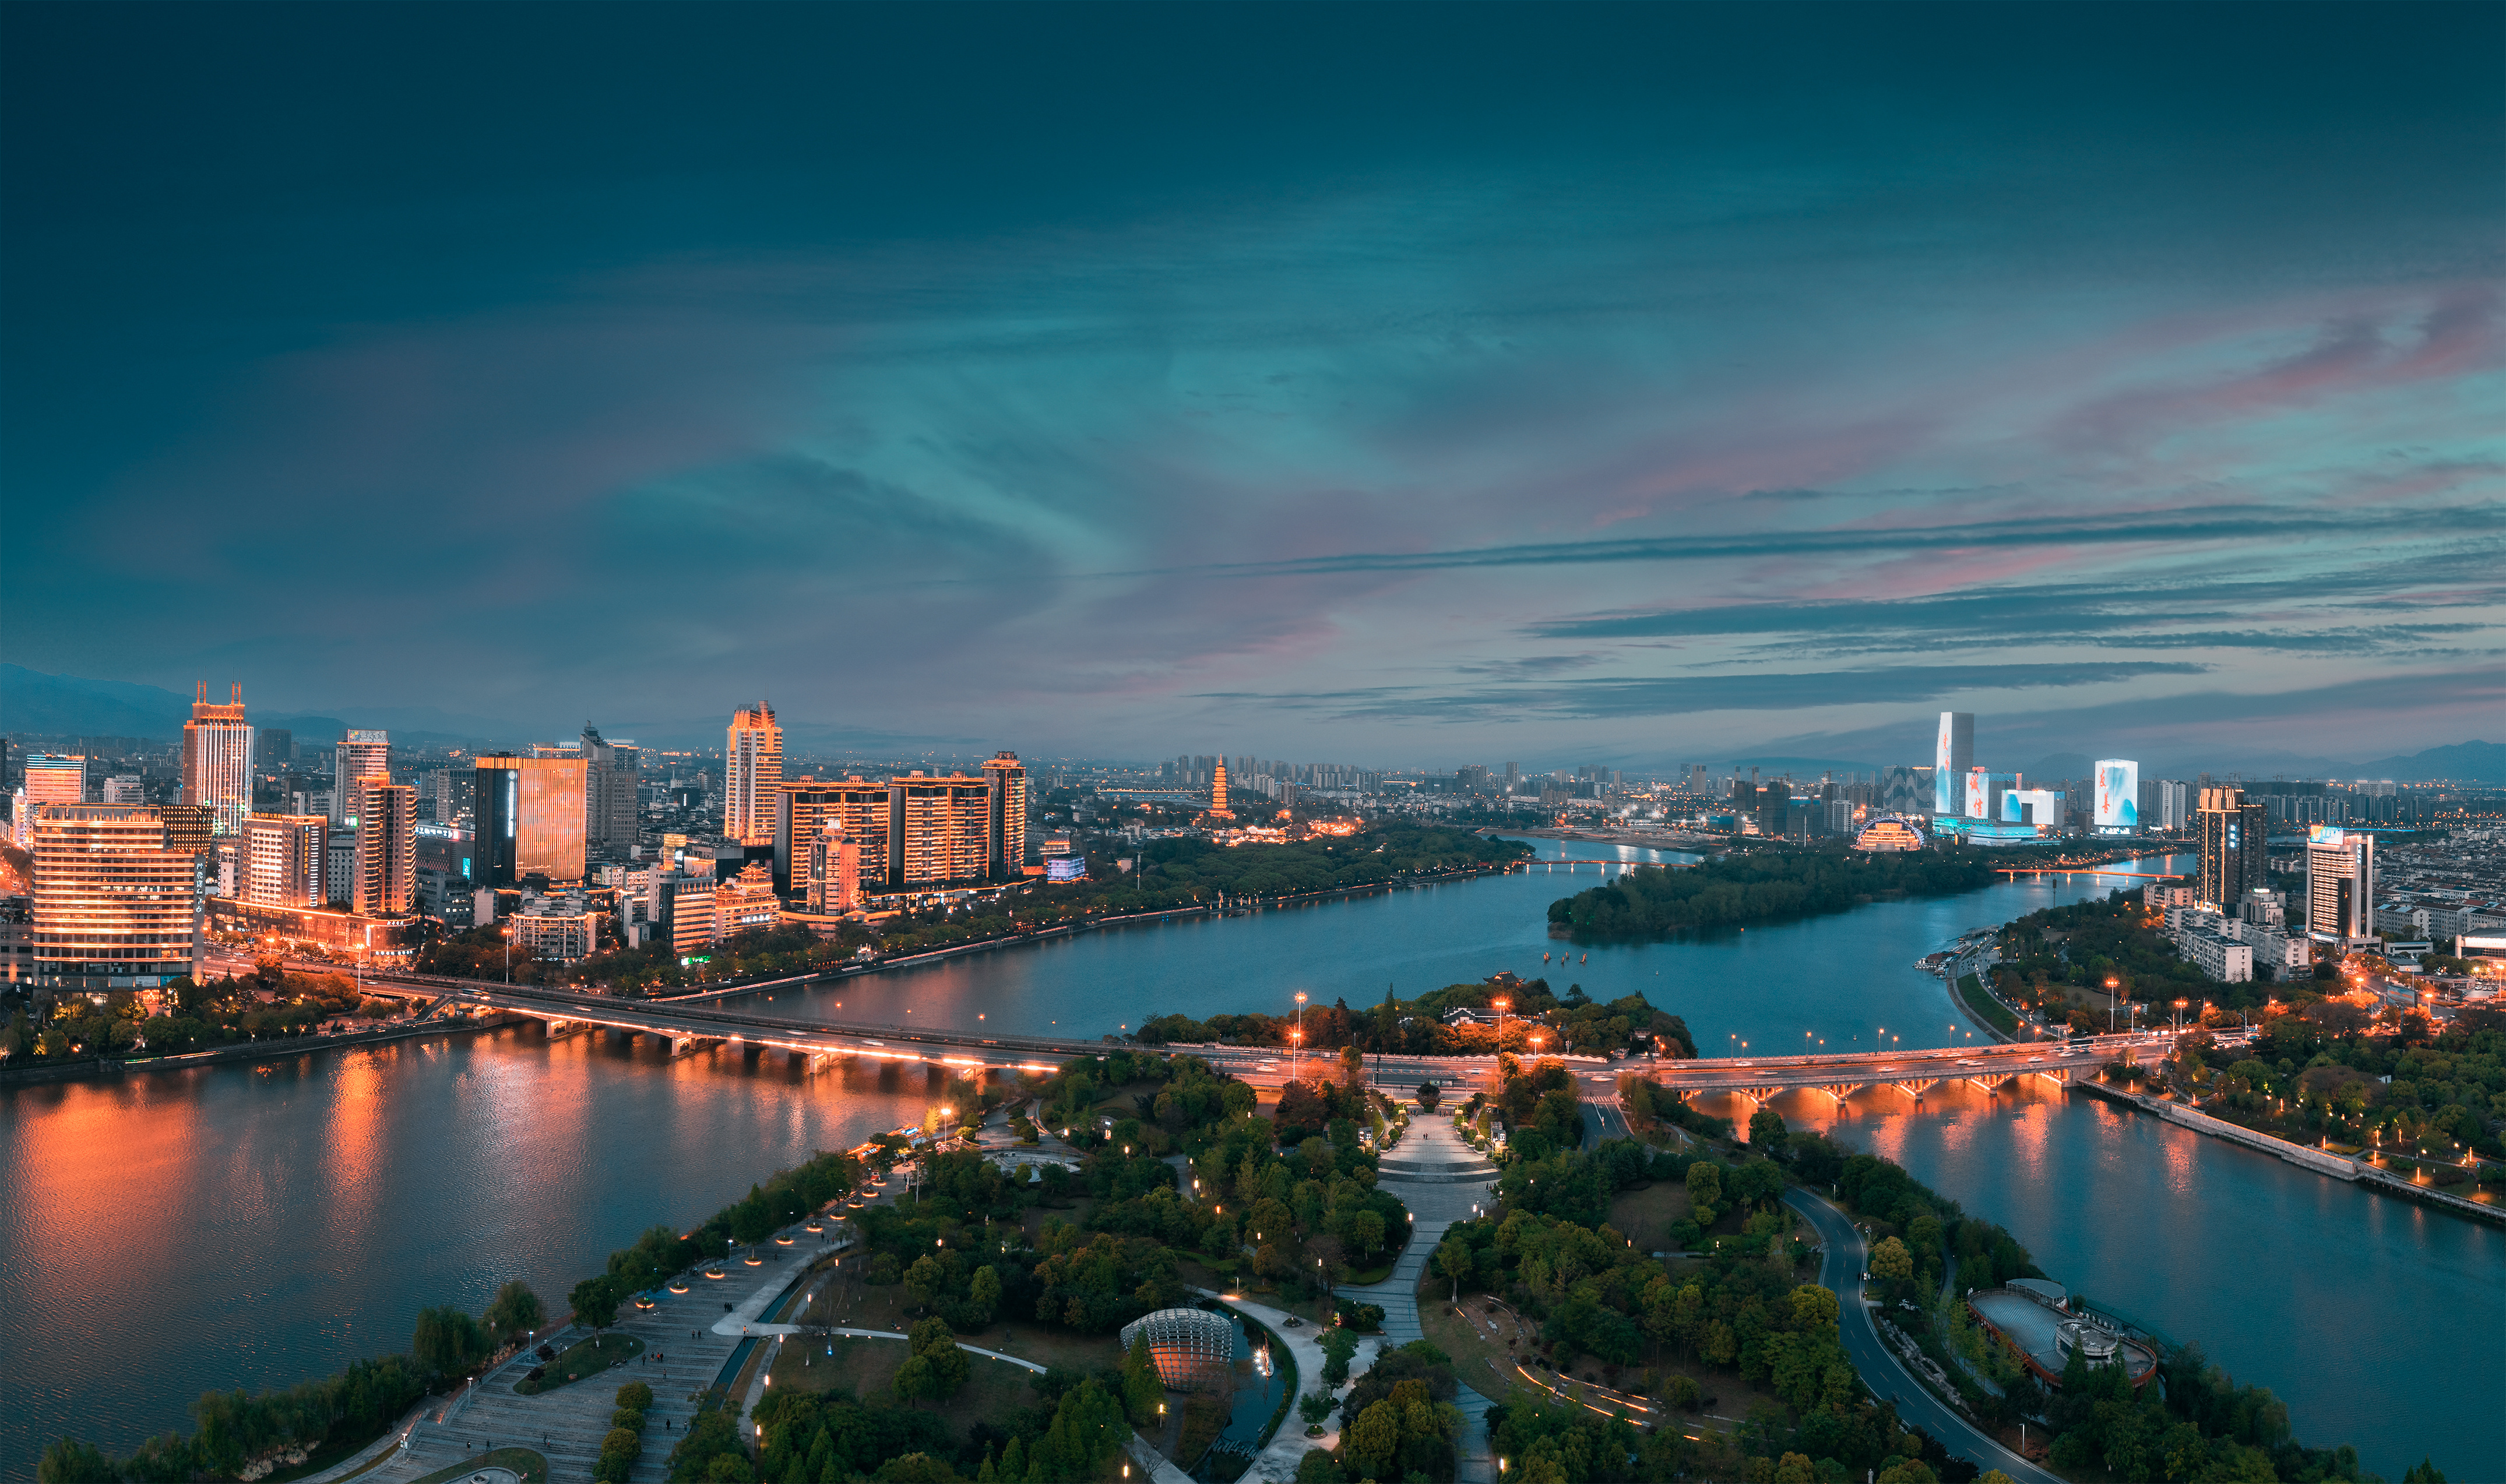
x,y
1890,833
2340,886
804,808
2231,833
1952,759
363,753
529,813
386,848
939,829
2040,807
745,903
217,759
286,859
1005,813
752,770
557,929
611,774
684,906
1984,790
834,880
113,909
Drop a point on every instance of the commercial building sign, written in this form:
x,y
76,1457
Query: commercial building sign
x,y
2118,801
2326,835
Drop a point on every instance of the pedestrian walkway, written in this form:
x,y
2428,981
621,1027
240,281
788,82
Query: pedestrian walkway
x,y
1442,1181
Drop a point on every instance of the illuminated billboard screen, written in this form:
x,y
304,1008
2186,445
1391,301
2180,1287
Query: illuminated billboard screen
x,y
2326,835
2118,803
1066,868
1978,795
1952,754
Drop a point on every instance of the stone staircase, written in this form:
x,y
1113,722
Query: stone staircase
x,y
1440,1179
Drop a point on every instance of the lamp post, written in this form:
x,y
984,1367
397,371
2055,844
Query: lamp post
x,y
1299,1042
1501,1004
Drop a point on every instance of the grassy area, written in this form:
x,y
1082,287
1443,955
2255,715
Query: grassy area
x,y
842,1299
586,1358
1994,1013
864,1368
525,1462
1645,1216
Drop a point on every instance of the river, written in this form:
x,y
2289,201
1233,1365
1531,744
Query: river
x,y
256,1225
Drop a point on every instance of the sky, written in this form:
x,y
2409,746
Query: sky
x,y
1404,385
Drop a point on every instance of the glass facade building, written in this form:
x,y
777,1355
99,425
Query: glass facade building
x,y
530,822
1953,756
217,760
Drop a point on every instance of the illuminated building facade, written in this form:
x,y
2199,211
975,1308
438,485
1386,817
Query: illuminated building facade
x,y
529,813
1218,791
1190,1349
386,848
2231,832
363,753
2040,807
51,778
834,879
752,771
217,759
939,829
745,903
113,909
2118,801
285,857
1890,831
1006,813
2339,885
1952,759
803,809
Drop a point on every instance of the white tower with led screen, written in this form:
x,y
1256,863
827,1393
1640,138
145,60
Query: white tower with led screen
x,y
2118,801
1953,756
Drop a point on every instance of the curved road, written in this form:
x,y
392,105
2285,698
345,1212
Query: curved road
x,y
1878,1366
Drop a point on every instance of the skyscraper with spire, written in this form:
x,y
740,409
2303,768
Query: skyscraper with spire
x,y
752,774
217,759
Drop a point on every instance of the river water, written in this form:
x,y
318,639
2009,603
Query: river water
x,y
252,1226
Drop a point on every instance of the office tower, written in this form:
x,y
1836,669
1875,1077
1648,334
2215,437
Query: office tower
x,y
1513,777
2232,835
113,907
192,827
804,808
529,814
2339,885
51,778
2117,800
939,829
1952,759
272,749
286,859
1006,809
610,773
340,868
217,759
359,755
834,870
752,767
386,847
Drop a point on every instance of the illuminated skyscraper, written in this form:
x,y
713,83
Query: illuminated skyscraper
x,y
2339,885
804,808
1007,809
285,856
386,847
1952,759
2117,800
217,759
939,829
834,872
752,768
51,778
113,909
361,755
2232,835
529,813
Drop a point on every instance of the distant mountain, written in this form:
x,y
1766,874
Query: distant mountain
x,y
2463,763
31,701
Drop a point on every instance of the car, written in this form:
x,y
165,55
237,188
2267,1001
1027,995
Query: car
x,y
2033,1060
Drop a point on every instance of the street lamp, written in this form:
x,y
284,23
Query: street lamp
x,y
1501,1004
1298,1044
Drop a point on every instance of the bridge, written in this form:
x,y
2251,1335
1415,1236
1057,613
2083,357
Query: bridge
x,y
1759,1079
2088,870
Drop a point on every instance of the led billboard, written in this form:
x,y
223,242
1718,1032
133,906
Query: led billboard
x,y
2326,835
1065,869
2118,802
1952,754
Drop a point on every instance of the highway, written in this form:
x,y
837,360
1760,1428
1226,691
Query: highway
x,y
1878,1366
1998,1062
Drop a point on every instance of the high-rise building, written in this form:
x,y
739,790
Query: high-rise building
x,y
834,872
1984,790
386,847
51,778
1007,811
2339,885
2232,834
529,819
610,776
217,759
361,755
113,907
804,808
752,769
1952,760
939,829
272,749
340,868
124,789
286,859
2117,800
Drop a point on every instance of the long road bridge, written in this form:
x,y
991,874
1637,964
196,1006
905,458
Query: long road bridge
x,y
1759,1079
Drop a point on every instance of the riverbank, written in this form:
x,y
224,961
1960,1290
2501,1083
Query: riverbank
x,y
101,1068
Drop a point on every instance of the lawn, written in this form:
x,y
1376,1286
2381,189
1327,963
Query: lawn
x,y
525,1462
1645,1216
587,1357
864,1368
843,1300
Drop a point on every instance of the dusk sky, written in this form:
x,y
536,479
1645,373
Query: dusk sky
x,y
1406,386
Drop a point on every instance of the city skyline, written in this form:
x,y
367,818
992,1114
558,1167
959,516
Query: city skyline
x,y
1541,386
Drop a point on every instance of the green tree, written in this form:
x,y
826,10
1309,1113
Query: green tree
x,y
449,1341
1366,1229
935,1369
1428,1097
1375,1439
1705,1190
595,1302
71,1462
1767,1130
635,1396
514,1311
1454,1259
1338,1345
1891,1260
983,1291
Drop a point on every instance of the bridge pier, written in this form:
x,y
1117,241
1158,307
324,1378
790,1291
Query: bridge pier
x,y
688,1045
